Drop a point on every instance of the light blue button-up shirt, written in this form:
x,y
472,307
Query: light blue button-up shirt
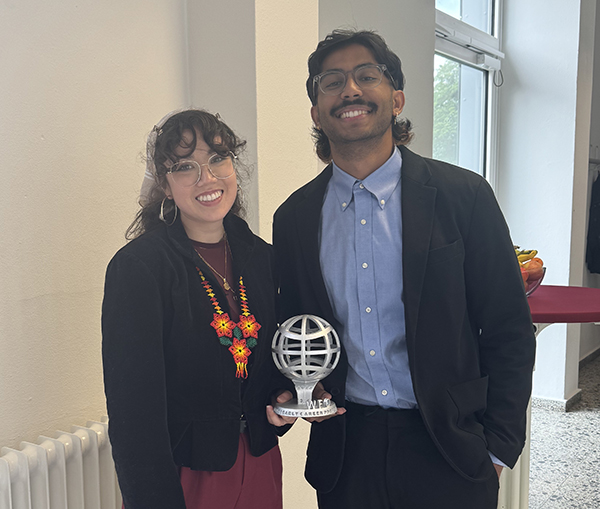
x,y
361,261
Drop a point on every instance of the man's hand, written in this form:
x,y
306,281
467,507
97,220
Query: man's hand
x,y
319,392
498,469
280,420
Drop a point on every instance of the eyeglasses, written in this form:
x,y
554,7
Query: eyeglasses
x,y
187,173
366,76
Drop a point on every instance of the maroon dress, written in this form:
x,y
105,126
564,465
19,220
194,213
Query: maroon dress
x,y
252,482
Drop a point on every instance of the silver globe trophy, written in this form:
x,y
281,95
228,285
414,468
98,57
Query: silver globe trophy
x,y
306,349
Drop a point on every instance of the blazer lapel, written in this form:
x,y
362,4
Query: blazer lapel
x,y
308,218
418,208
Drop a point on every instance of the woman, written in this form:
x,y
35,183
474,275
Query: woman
x,y
187,321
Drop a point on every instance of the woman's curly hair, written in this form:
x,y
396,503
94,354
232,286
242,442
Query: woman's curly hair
x,y
162,154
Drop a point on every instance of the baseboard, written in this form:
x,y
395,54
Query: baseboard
x,y
556,405
589,358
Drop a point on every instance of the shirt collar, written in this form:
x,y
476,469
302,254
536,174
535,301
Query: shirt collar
x,y
381,183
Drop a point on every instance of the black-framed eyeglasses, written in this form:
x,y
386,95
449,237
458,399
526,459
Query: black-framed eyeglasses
x,y
365,76
187,173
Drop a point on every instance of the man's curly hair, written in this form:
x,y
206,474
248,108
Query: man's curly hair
x,y
339,39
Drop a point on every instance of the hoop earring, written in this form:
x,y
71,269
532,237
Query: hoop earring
x,y
397,119
161,216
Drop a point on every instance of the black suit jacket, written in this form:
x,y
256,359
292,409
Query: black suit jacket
x,y
171,390
470,339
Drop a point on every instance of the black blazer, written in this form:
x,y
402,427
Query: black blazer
x,y
470,339
172,394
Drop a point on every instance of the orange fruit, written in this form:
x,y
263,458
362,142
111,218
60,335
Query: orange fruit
x,y
535,268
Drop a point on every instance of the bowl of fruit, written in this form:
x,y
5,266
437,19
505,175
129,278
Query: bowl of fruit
x,y
532,269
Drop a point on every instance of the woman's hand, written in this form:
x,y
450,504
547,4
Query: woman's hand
x,y
280,420
319,392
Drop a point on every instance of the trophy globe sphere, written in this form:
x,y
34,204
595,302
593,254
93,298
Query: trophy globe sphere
x,y
306,348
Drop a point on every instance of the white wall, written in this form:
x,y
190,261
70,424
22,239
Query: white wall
x,y
590,334
542,179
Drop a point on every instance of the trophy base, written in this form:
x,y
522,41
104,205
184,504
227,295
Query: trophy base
x,y
313,408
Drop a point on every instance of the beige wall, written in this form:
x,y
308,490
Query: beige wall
x,y
286,33
81,84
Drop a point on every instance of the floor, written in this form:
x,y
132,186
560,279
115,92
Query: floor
x,y
565,450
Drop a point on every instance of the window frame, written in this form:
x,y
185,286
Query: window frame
x,y
468,45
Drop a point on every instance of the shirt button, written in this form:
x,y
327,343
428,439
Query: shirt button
x,y
382,202
384,392
363,221
365,265
372,353
362,186
368,310
344,204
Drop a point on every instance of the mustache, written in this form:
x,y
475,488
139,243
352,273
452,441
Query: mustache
x,y
356,102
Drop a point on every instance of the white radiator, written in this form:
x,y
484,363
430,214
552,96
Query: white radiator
x,y
70,471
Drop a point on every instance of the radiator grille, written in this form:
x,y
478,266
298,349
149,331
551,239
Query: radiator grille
x,y
72,470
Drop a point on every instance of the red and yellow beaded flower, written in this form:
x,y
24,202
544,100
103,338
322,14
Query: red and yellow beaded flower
x,y
223,325
240,352
249,326
243,334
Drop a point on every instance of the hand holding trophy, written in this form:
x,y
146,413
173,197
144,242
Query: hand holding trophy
x,y
306,349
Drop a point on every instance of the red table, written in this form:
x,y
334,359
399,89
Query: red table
x,y
548,304
565,304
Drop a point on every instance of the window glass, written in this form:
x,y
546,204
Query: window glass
x,y
459,118
477,13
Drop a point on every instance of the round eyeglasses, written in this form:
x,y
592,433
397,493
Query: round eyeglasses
x,y
365,76
187,173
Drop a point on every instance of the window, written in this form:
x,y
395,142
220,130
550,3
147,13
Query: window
x,y
466,75
477,13
459,121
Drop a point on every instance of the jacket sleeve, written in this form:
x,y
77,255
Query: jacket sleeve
x,y
134,379
497,301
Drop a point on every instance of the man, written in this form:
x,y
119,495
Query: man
x,y
411,261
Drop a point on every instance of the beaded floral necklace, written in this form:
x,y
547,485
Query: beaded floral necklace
x,y
239,337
